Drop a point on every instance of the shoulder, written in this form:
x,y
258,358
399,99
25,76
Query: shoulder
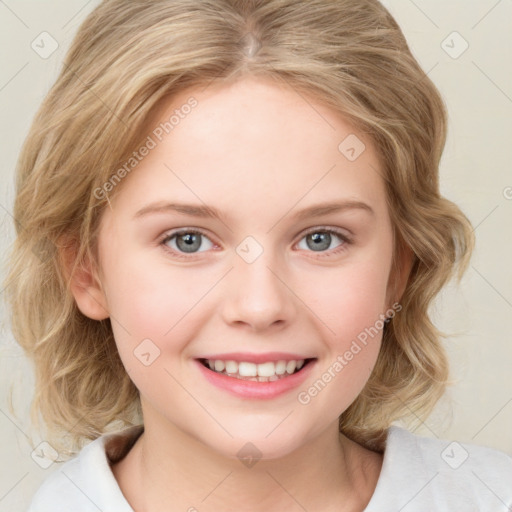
x,y
86,482
421,473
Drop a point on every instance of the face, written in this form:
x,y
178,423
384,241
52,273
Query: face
x,y
264,280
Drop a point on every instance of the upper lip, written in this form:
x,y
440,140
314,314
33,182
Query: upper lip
x,y
256,358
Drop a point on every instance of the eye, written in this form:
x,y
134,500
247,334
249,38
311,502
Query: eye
x,y
192,241
321,239
186,242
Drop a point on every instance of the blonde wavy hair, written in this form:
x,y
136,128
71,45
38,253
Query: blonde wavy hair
x,y
126,58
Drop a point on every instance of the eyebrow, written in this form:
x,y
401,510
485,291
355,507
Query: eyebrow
x,y
204,211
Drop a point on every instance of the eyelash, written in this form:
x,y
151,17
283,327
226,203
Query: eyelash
x,y
322,254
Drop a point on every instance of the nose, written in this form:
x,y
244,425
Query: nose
x,y
256,295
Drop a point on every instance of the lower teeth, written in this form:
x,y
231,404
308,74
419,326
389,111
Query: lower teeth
x,y
254,379
258,378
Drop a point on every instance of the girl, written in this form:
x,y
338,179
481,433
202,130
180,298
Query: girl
x,y
230,232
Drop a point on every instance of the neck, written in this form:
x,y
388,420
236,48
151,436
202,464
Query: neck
x,y
169,470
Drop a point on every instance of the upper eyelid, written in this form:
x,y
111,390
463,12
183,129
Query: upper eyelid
x,y
337,231
346,241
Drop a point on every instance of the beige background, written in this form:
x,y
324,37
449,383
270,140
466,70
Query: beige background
x,y
476,174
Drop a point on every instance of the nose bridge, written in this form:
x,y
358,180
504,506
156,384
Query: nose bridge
x,y
257,295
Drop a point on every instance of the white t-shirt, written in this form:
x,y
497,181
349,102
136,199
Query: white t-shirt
x,y
419,474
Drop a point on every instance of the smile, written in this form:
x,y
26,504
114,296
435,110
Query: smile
x,y
269,371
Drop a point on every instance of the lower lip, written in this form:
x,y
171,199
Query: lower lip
x,y
253,389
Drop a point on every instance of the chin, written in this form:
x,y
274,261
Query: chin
x,y
247,448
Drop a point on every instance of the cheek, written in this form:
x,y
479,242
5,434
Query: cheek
x,y
350,308
149,305
144,296
149,322
350,299
160,304
349,302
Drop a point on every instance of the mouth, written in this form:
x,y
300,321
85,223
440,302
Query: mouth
x,y
269,371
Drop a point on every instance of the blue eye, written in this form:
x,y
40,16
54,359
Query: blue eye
x,y
320,240
191,241
187,242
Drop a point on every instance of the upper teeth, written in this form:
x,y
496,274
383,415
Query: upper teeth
x,y
246,369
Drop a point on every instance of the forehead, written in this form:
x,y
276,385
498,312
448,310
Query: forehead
x,y
255,113
252,141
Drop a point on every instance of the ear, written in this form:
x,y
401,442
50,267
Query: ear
x,y
399,274
84,283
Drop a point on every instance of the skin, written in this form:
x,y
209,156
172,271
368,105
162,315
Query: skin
x,y
258,152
